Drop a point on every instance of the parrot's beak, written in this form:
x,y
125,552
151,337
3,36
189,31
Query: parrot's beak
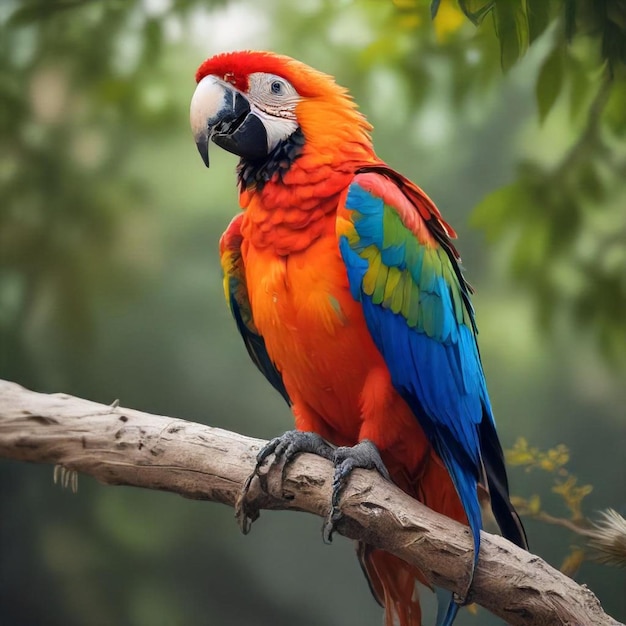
x,y
221,113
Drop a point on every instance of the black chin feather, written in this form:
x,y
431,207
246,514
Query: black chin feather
x,y
254,173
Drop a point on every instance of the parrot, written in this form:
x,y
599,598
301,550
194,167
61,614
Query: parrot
x,y
345,285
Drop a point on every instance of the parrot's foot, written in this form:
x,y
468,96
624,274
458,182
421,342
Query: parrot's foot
x,y
364,455
284,449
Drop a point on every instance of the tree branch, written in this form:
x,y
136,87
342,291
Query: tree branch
x,y
120,446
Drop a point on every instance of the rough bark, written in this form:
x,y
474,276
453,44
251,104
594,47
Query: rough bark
x,y
120,446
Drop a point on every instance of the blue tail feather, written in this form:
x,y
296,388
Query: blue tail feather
x,y
465,483
447,608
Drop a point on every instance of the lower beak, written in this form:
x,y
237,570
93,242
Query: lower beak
x,y
222,114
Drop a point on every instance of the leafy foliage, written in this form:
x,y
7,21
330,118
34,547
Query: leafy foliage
x,y
574,268
553,461
606,538
71,111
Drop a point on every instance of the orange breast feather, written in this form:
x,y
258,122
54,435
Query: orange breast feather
x,y
316,335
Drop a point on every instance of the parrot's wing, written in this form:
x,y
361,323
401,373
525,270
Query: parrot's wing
x,y
404,269
236,293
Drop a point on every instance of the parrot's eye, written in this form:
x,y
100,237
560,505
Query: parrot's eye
x,y
276,87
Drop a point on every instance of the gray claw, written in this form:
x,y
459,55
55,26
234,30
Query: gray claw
x,y
363,455
284,449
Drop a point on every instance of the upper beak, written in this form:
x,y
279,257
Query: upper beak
x,y
222,113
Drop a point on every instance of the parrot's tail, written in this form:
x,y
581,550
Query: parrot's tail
x,y
392,582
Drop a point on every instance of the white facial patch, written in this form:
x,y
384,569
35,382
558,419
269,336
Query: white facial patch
x,y
276,128
274,100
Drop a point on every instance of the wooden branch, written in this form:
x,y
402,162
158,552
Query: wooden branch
x,y
120,446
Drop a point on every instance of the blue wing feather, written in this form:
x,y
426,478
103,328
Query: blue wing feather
x,y
428,339
420,370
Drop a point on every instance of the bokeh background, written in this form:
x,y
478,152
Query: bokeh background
x,y
110,286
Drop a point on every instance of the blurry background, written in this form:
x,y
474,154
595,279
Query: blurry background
x,y
110,284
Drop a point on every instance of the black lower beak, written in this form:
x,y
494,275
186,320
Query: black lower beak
x,y
248,140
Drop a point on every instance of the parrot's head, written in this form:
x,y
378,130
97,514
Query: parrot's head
x,y
253,104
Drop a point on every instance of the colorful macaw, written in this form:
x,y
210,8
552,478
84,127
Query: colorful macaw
x,y
347,290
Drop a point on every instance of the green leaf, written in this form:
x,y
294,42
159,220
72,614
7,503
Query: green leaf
x,y
616,13
539,14
511,23
532,251
590,182
493,214
613,42
476,10
580,84
549,82
615,112
570,18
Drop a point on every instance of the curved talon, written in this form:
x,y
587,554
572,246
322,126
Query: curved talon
x,y
244,512
284,449
364,455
